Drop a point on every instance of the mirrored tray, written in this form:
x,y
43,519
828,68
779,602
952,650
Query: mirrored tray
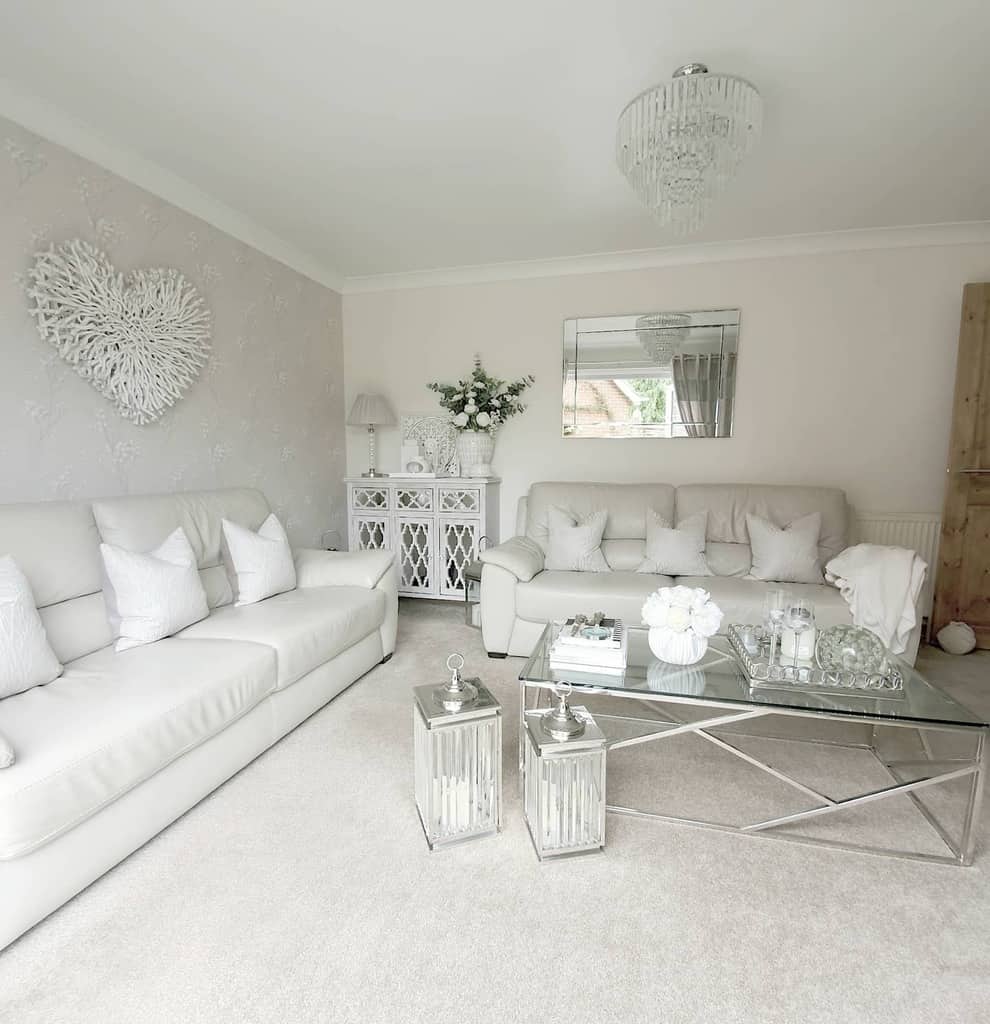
x,y
807,675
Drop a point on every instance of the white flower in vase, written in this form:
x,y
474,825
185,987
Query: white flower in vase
x,y
681,619
483,419
461,419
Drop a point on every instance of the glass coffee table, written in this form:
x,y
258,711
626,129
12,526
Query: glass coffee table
x,y
920,737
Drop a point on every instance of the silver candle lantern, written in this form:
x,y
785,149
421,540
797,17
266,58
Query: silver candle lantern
x,y
457,730
564,779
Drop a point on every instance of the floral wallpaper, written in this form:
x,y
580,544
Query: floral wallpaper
x,y
267,409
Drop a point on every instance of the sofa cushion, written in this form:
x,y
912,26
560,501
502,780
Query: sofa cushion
x,y
741,600
556,595
113,720
306,627
626,505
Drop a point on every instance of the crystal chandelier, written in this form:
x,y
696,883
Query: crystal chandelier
x,y
680,143
661,333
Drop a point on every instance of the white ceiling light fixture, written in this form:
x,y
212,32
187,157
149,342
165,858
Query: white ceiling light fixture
x,y
681,142
660,334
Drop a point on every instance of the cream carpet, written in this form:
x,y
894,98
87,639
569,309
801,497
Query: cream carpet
x,y
303,891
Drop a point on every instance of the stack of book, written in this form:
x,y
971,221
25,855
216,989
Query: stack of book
x,y
575,651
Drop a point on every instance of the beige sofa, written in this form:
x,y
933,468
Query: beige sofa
x,y
120,745
519,597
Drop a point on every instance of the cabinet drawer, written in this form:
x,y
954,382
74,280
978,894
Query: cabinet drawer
x,y
460,500
369,498
413,499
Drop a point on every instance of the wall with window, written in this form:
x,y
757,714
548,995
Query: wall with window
x,y
845,375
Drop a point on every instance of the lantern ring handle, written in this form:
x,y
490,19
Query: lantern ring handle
x,y
455,667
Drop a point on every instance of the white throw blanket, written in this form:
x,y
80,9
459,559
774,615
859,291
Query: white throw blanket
x,y
881,586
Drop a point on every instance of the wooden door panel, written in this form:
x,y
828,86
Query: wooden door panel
x,y
962,587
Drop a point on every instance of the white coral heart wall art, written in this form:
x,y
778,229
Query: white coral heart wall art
x,y
140,340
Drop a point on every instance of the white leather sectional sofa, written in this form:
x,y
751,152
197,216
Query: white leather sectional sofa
x,y
120,745
519,597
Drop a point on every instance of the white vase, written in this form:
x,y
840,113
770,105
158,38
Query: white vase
x,y
475,449
684,648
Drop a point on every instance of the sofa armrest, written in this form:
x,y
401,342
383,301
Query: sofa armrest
x,y
317,568
520,556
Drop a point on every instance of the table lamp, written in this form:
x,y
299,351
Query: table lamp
x,y
371,411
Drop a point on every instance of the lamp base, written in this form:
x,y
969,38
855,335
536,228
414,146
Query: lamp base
x,y
374,473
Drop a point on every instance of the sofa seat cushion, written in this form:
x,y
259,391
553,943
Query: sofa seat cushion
x,y
307,627
741,600
556,595
113,720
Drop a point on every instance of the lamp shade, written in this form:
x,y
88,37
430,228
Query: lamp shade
x,y
371,410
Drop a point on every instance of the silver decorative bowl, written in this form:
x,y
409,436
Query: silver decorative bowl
x,y
851,649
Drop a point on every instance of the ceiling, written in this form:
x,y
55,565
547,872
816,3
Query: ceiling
x,y
384,137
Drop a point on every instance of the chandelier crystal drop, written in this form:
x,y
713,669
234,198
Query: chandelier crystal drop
x,y
681,142
660,335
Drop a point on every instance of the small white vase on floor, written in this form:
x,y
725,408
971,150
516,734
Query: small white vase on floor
x,y
677,648
475,449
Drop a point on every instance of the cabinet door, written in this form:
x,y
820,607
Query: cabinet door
x,y
458,547
369,533
415,545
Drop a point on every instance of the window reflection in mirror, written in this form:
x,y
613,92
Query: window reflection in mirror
x,y
650,374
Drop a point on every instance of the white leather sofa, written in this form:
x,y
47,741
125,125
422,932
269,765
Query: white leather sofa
x,y
519,597
120,745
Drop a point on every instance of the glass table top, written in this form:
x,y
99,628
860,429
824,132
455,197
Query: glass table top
x,y
720,678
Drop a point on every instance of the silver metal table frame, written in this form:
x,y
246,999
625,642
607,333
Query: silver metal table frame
x,y
939,770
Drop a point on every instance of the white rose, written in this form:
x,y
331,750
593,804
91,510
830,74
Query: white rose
x,y
496,402
460,420
706,621
701,598
682,597
678,618
483,419
655,611
470,408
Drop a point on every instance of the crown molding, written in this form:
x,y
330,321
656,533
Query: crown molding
x,y
915,236
45,120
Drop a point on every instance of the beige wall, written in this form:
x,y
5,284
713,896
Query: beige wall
x,y
267,409
846,369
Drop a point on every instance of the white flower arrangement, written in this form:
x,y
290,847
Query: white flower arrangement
x,y
482,402
681,610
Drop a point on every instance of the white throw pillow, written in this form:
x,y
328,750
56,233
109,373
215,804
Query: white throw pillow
x,y
154,595
261,563
26,657
576,546
675,552
788,555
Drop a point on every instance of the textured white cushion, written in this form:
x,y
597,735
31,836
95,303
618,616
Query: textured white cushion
x,y
26,657
6,753
788,554
306,627
261,563
675,552
112,721
574,546
151,596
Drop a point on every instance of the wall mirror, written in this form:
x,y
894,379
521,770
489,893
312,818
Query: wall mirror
x,y
651,374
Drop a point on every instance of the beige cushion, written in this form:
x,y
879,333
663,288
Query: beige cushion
x,y
260,561
113,720
728,504
556,595
787,553
741,600
306,627
575,544
626,505
675,551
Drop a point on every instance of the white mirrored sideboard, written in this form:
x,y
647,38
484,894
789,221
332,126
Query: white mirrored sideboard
x,y
434,524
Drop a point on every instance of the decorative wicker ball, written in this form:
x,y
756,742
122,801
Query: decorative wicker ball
x,y
957,638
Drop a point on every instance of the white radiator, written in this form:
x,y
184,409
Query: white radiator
x,y
903,530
